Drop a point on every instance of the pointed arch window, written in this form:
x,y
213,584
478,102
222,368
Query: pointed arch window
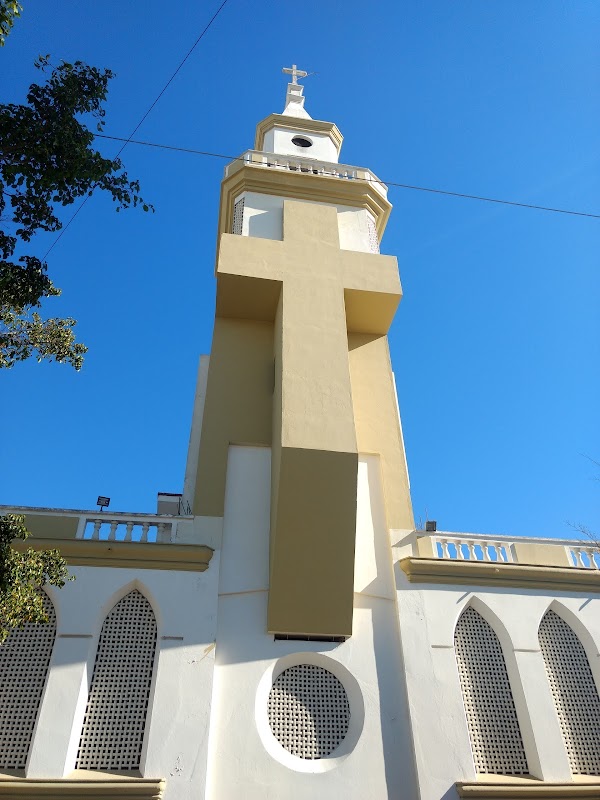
x,y
115,717
24,662
574,691
491,715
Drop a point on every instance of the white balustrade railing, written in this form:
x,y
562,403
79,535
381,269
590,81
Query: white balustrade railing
x,y
584,556
123,528
312,166
472,549
102,526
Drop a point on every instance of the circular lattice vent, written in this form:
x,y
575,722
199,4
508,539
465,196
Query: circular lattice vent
x,y
309,711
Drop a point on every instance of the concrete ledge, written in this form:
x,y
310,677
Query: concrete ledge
x,y
108,788
486,573
147,555
522,791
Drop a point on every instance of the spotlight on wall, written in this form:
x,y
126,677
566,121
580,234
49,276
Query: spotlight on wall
x,y
431,526
102,502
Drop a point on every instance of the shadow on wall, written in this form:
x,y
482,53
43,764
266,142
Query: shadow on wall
x,y
400,772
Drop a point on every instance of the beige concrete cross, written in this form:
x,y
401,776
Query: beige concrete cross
x,y
315,293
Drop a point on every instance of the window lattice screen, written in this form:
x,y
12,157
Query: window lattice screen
x,y
373,238
24,662
309,711
238,216
574,692
491,716
115,717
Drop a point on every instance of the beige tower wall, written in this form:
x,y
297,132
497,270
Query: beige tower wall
x,y
238,406
315,459
377,422
300,363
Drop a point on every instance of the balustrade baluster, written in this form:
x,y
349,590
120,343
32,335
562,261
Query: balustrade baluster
x,y
485,549
96,531
445,549
128,531
112,533
145,527
459,550
472,553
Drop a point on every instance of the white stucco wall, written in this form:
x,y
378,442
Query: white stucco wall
x,y
427,618
279,140
245,759
176,736
207,732
263,218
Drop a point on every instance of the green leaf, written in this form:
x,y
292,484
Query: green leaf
x,y
48,162
22,576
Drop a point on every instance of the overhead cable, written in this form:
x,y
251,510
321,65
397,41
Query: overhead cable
x,y
517,203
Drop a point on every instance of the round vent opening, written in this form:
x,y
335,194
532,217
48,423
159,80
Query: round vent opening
x,y
308,711
301,141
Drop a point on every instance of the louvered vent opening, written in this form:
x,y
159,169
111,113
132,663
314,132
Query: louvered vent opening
x,y
115,717
24,662
309,711
575,693
238,216
373,238
491,715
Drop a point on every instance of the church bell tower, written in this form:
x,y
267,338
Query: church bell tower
x,y
300,362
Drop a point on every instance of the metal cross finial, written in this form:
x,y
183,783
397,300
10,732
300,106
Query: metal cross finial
x,y
295,73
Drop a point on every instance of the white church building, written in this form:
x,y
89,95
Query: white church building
x,y
281,630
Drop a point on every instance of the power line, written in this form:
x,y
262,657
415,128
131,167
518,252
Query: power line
x,y
389,183
142,120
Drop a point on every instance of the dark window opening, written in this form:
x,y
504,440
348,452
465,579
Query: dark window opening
x,y
300,141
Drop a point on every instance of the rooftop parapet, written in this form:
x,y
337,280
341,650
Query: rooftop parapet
x,y
445,557
96,538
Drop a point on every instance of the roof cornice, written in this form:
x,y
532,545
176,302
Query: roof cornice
x,y
492,573
137,555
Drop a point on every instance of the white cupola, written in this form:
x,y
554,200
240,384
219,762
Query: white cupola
x,y
294,132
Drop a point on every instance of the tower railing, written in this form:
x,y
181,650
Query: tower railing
x,y
308,166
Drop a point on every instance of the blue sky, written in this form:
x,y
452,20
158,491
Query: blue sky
x,y
496,343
